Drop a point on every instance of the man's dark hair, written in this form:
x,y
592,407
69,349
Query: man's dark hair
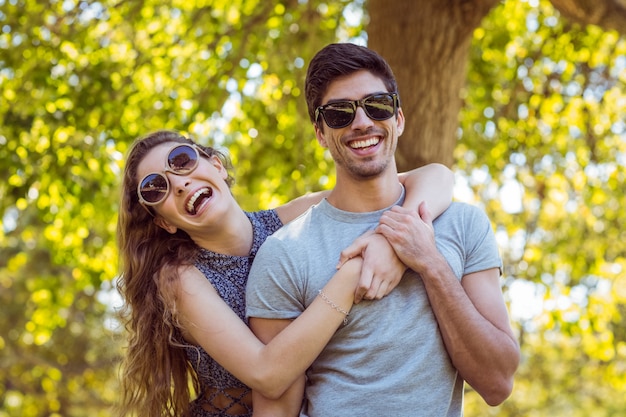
x,y
338,60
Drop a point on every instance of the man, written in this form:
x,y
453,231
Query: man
x,y
446,322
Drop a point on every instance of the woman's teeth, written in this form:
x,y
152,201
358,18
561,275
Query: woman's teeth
x,y
191,204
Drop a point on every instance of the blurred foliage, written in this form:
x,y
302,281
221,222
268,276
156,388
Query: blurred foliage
x,y
79,80
543,147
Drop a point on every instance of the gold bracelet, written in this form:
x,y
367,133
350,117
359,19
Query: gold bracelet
x,y
334,306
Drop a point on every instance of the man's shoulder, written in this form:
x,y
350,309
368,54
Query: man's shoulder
x,y
461,213
459,207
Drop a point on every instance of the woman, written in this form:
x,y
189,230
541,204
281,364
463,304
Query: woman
x,y
186,249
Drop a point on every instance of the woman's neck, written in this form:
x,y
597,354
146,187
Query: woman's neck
x,y
233,235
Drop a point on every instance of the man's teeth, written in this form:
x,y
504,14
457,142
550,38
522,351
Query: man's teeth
x,y
358,144
192,200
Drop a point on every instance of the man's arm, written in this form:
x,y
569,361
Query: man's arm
x,y
382,270
471,314
474,324
288,404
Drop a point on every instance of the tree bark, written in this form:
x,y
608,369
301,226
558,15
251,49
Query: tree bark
x,y
608,14
427,44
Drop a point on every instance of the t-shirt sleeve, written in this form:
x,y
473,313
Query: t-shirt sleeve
x,y
481,247
272,291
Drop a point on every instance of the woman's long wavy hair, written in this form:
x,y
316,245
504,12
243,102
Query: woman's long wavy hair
x,y
155,373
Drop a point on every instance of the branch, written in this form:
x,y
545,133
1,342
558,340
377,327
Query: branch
x,y
607,14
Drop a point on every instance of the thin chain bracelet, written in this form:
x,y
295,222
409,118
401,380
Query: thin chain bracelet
x,y
334,306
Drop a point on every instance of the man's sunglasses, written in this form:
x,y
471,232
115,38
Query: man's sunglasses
x,y
338,114
181,160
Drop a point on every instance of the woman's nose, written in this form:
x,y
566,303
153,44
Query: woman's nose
x,y
179,183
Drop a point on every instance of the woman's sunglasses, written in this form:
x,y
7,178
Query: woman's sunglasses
x,y
181,160
338,114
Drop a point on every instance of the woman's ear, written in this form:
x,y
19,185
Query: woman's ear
x,y
217,163
163,224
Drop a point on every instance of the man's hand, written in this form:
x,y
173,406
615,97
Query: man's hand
x,y
411,234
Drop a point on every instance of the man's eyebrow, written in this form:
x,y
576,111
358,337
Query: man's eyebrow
x,y
338,100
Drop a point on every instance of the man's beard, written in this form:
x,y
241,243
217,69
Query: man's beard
x,y
364,169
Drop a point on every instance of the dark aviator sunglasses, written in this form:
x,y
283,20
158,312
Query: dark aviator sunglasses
x,y
338,114
181,160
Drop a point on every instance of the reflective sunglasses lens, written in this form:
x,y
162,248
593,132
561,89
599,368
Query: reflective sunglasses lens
x,y
153,188
379,107
340,114
182,159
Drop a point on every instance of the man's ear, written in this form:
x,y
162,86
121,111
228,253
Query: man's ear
x,y
320,136
163,224
400,120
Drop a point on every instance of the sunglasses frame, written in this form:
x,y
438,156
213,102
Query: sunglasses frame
x,y
320,110
199,152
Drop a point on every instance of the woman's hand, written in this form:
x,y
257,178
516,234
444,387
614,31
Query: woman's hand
x,y
381,271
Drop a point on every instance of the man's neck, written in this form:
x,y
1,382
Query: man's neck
x,y
365,195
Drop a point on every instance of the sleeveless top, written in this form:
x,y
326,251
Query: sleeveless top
x,y
229,276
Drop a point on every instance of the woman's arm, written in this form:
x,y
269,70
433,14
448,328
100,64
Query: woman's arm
x,y
269,369
289,211
432,183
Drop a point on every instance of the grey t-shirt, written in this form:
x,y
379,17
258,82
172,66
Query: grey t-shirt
x,y
389,359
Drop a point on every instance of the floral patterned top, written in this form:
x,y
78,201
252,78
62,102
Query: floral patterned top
x,y
229,276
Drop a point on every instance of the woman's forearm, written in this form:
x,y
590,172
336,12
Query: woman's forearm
x,y
432,183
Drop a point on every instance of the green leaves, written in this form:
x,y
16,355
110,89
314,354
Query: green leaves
x,y
548,116
79,80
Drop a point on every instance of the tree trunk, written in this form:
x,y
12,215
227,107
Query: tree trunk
x,y
427,43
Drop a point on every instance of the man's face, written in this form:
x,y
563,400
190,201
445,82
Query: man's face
x,y
365,148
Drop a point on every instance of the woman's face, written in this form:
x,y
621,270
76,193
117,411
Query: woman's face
x,y
195,199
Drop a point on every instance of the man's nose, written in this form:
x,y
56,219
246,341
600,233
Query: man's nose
x,y
361,119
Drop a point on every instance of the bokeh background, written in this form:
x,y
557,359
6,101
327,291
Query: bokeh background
x,y
535,131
